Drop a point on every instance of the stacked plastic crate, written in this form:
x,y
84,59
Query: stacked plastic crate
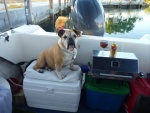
x,y
104,94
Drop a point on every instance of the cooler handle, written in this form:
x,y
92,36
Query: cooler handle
x,y
83,80
50,90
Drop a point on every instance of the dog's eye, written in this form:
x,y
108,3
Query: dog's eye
x,y
65,37
74,36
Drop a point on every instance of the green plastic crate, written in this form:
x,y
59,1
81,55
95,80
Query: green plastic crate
x,y
107,86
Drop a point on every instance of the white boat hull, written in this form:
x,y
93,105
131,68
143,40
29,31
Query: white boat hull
x,y
27,46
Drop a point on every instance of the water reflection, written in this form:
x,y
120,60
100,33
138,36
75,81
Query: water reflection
x,y
127,23
147,10
122,23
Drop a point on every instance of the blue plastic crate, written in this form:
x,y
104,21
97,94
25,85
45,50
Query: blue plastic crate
x,y
104,101
105,94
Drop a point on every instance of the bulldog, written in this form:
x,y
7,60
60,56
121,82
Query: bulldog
x,y
60,55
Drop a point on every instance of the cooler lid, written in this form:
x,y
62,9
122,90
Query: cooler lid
x,y
51,75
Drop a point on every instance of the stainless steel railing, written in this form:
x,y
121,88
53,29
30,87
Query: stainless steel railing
x,y
11,27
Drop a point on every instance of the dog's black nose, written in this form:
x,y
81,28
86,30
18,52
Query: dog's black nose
x,y
71,41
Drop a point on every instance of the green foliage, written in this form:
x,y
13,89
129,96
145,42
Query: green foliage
x,y
147,10
69,25
121,26
147,1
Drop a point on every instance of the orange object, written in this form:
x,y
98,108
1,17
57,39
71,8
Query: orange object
x,y
60,22
113,50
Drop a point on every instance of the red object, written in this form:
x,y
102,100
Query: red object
x,y
148,80
103,44
14,88
137,87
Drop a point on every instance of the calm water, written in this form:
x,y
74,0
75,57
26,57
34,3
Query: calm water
x,y
122,23
127,23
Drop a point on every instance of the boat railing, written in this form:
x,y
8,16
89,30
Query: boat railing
x,y
8,17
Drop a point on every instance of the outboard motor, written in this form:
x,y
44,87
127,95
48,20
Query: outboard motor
x,y
88,16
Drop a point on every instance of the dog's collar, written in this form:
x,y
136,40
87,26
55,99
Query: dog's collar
x,y
74,52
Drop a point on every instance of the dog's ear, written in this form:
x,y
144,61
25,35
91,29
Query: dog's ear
x,y
61,32
79,33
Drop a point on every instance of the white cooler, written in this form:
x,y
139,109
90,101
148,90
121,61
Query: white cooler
x,y
45,90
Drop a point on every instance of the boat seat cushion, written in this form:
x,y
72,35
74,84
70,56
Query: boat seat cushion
x,y
51,75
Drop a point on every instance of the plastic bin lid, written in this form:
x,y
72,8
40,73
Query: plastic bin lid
x,y
107,85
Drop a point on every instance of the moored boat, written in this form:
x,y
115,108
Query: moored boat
x,y
29,40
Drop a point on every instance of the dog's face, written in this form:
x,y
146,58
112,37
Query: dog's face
x,y
69,38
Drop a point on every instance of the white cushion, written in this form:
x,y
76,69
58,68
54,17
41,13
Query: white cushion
x,y
51,75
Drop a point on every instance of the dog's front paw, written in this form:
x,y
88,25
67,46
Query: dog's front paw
x,y
73,69
49,69
61,77
40,70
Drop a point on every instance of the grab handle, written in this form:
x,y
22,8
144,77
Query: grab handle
x,y
83,80
112,75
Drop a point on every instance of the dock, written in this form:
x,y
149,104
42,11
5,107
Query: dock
x,y
37,12
122,2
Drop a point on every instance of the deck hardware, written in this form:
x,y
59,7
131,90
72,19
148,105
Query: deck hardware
x,y
11,27
4,35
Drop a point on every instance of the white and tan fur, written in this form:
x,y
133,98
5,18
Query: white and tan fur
x,y
60,55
